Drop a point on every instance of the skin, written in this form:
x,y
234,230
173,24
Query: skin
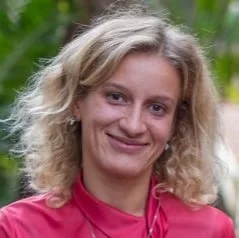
x,y
126,123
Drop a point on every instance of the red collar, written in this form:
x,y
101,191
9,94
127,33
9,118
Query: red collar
x,y
114,222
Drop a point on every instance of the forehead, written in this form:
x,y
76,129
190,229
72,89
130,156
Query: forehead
x,y
147,74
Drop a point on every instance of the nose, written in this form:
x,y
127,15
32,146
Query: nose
x,y
133,124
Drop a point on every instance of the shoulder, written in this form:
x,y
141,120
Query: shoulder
x,y
205,221
28,217
21,212
30,206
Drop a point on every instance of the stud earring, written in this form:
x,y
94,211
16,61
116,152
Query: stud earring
x,y
73,120
167,146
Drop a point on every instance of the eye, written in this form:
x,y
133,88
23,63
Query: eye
x,y
115,97
158,109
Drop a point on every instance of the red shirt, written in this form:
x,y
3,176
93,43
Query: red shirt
x,y
84,216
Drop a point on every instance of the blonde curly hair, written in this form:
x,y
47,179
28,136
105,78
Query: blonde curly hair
x,y
50,146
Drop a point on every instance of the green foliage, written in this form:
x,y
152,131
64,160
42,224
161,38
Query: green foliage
x,y
215,24
33,36
232,92
29,30
8,179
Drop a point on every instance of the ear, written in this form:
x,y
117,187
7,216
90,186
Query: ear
x,y
76,110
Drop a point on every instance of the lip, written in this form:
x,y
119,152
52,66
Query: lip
x,y
126,145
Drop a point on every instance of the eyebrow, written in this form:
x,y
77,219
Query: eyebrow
x,y
115,85
164,98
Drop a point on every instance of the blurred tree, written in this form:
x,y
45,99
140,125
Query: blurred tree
x,y
214,22
29,30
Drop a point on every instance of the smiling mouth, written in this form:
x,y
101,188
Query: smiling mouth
x,y
126,145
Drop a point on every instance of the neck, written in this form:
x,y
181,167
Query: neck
x,y
127,194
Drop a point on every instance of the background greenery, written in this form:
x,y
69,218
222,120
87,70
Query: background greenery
x,y
35,29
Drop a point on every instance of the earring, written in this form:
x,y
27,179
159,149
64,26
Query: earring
x,y
167,146
73,120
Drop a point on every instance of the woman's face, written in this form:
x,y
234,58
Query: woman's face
x,y
127,121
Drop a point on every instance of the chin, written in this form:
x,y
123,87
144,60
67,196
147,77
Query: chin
x,y
126,171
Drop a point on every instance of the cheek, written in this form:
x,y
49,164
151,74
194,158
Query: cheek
x,y
162,130
108,113
100,116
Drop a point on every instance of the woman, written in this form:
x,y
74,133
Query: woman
x,y
118,137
